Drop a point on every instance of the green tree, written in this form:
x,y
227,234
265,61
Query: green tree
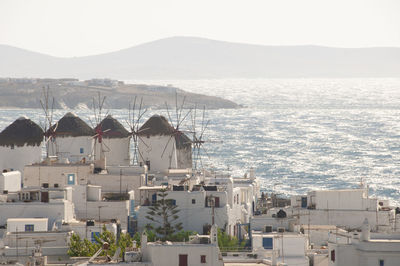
x,y
164,213
227,242
84,248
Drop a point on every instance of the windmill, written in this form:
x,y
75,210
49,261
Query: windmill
x,y
177,135
48,128
97,125
198,140
133,123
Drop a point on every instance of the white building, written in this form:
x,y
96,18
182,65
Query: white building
x,y
57,175
10,181
162,147
200,250
20,145
91,204
365,251
233,201
113,141
27,225
285,247
72,139
343,208
54,204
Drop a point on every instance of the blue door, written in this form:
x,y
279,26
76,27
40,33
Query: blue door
x,y
268,243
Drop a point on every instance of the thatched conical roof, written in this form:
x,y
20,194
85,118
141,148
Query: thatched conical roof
x,y
70,125
115,129
156,125
22,131
159,125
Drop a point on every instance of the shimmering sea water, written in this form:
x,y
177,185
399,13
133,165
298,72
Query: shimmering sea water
x,y
299,134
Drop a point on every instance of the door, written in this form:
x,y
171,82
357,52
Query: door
x,y
183,260
304,202
216,202
45,196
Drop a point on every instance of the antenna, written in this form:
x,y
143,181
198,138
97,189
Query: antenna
x,y
177,132
133,123
48,128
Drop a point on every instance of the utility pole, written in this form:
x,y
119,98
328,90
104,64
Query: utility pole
x,y
16,240
283,256
120,183
100,218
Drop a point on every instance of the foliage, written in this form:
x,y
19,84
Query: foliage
x,y
164,213
227,241
85,248
182,236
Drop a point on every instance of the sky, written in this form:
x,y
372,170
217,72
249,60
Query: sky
x,y
69,28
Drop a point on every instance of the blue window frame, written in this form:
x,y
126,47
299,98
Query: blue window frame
x,y
381,263
71,179
268,243
29,227
81,150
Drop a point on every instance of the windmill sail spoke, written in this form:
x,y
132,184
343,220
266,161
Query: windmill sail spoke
x,y
143,142
166,145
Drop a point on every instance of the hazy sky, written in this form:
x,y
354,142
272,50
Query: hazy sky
x,y
85,27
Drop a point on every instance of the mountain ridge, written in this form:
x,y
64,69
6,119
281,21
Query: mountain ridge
x,y
193,57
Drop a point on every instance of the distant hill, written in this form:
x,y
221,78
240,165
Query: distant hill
x,y
191,58
73,93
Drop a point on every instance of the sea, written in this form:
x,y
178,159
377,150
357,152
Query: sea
x,y
298,134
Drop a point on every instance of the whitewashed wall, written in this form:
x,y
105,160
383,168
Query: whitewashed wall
x,y
40,224
10,181
195,216
36,175
157,254
151,149
61,211
69,147
118,152
18,157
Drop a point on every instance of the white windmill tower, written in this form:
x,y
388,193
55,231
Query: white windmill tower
x,y
20,145
167,146
113,138
99,148
72,134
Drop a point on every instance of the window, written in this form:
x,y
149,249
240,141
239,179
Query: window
x,y
333,255
29,228
81,150
71,179
381,263
12,146
268,243
193,201
45,185
203,259
55,185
